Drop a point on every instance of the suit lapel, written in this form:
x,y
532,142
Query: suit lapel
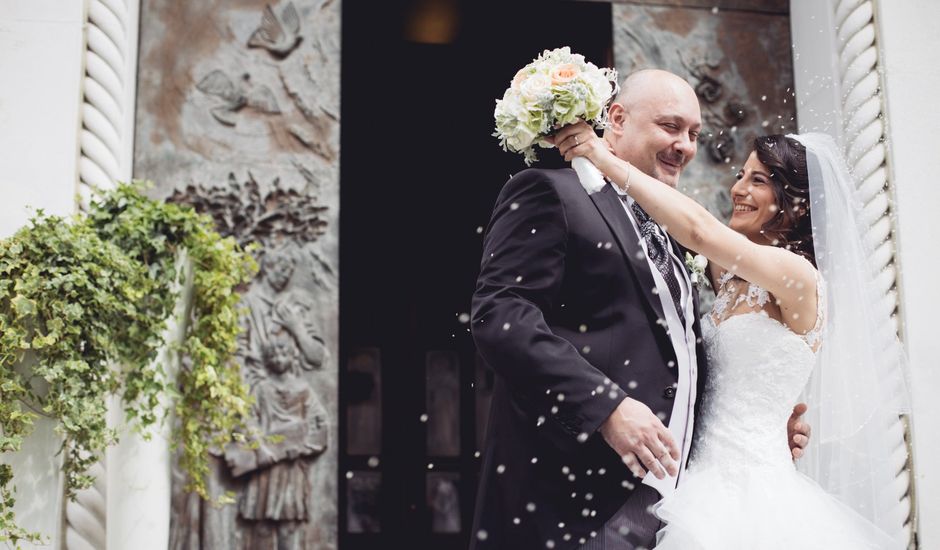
x,y
611,209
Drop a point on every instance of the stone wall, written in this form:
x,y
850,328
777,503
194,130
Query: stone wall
x,y
238,115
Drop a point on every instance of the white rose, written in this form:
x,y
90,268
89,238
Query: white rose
x,y
536,86
599,85
520,138
700,262
511,106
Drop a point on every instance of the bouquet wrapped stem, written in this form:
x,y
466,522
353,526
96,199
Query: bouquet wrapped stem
x,y
591,178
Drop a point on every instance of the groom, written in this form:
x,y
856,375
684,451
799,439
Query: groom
x,y
586,313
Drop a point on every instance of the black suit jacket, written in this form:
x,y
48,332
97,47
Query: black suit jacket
x,y
565,315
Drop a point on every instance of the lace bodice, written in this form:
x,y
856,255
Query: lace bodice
x,y
735,296
757,369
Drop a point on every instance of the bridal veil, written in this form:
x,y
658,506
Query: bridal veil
x,y
859,387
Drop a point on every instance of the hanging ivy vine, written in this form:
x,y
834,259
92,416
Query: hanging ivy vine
x,y
83,309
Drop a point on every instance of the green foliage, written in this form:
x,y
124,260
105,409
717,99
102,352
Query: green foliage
x,y
80,297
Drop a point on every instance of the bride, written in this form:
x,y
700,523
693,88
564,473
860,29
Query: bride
x,y
794,304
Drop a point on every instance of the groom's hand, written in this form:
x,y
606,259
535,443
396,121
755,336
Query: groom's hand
x,y
798,431
641,440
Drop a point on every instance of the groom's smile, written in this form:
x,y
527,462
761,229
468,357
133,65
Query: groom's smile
x,y
671,165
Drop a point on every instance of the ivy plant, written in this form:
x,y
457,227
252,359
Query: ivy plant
x,y
83,309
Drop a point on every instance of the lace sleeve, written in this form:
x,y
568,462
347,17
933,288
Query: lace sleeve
x,y
814,336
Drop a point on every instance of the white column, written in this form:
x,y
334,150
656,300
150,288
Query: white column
x,y
912,80
137,489
101,517
67,120
41,63
837,67
139,471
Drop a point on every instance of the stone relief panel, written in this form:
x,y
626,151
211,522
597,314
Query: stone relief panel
x,y
766,6
238,115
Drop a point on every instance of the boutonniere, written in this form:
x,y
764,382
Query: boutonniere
x,y
696,266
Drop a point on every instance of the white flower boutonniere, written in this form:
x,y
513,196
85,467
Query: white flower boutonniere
x,y
696,266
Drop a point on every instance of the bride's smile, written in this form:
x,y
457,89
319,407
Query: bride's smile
x,y
754,202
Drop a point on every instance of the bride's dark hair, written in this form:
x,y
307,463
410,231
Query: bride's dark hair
x,y
792,226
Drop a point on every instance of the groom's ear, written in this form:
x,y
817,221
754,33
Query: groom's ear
x,y
616,116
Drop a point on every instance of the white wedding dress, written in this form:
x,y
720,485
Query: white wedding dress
x,y
741,490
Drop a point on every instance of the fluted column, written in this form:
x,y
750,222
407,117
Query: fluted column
x,y
106,150
86,517
864,140
109,89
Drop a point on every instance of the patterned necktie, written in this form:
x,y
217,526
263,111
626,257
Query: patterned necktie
x,y
658,249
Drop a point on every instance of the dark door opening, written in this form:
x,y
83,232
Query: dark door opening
x,y
419,175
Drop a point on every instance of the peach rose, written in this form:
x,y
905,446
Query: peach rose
x,y
519,78
564,73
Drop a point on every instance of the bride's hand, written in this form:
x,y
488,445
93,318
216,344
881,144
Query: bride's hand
x,y
580,140
798,431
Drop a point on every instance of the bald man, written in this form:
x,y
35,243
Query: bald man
x,y
585,311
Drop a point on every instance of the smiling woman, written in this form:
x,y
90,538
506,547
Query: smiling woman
x,y
771,196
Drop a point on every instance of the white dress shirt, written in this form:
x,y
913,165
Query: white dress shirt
x,y
683,342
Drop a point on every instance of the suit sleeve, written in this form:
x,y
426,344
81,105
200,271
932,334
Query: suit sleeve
x,y
520,278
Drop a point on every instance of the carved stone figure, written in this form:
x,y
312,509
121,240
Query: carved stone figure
x,y
291,425
272,306
277,34
282,350
236,96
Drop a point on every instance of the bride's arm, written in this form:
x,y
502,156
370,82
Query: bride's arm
x,y
789,277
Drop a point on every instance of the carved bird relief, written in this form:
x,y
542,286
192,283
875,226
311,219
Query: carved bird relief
x,y
235,97
278,35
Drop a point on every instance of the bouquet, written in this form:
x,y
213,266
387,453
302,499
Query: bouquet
x,y
556,89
